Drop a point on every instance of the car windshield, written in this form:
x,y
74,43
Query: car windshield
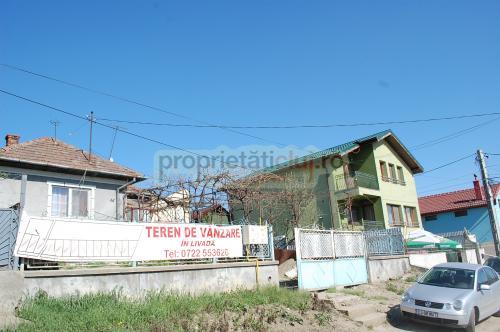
x,y
449,277
494,264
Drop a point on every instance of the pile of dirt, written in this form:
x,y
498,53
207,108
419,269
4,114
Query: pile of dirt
x,y
285,267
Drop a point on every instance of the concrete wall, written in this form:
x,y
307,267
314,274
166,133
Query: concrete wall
x,y
193,279
427,260
37,197
384,268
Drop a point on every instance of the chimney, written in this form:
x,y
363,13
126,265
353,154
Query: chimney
x,y
11,139
477,190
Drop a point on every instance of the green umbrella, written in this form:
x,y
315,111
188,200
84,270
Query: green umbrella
x,y
420,239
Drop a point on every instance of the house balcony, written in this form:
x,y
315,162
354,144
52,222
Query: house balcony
x,y
359,180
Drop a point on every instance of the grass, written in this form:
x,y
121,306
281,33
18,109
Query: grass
x,y
350,291
157,311
412,278
394,288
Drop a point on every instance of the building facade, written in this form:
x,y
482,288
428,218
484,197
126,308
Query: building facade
x,y
51,178
459,210
363,184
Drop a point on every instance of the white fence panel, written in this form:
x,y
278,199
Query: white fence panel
x,y
316,244
349,244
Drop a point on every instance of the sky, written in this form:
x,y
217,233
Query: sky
x,y
258,63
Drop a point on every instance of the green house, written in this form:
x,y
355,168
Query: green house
x,y
367,183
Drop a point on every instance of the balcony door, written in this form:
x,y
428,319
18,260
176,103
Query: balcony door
x,y
368,212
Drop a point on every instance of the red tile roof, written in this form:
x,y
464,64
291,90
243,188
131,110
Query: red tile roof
x,y
452,201
46,152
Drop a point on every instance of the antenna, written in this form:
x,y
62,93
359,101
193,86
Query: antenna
x,y
113,143
91,119
55,123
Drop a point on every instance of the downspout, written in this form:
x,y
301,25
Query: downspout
x,y
134,180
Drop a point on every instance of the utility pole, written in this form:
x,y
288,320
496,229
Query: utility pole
x,y
489,201
91,119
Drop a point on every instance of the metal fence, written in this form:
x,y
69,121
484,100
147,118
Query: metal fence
x,y
384,242
8,231
460,237
329,244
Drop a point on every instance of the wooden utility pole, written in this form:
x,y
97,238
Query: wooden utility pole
x,y
489,201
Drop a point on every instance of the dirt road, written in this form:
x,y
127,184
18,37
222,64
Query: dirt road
x,y
385,298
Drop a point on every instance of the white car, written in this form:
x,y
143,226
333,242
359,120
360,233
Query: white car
x,y
453,294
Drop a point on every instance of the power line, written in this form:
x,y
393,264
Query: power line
x,y
205,124
429,186
443,187
130,101
451,136
114,127
360,124
449,163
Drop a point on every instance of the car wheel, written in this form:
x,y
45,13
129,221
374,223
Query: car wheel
x,y
497,314
471,327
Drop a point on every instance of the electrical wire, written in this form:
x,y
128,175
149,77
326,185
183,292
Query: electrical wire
x,y
451,136
227,127
167,124
119,129
166,144
130,101
425,192
448,164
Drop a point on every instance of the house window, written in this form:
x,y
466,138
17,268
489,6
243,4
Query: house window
x,y
70,201
460,213
392,173
401,176
411,216
431,217
394,215
383,171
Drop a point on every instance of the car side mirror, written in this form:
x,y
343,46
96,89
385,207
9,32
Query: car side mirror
x,y
484,287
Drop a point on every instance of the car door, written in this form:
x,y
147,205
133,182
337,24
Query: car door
x,y
494,283
483,296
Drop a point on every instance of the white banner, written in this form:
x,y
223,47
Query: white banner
x,y
74,240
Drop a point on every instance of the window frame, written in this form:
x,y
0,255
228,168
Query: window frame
x,y
414,222
383,171
393,176
71,186
401,175
392,222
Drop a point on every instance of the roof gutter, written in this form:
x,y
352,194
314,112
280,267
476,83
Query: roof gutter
x,y
134,180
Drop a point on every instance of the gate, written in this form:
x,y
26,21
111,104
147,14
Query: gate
x,y
8,232
327,258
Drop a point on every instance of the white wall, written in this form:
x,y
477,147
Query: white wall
x,y
427,260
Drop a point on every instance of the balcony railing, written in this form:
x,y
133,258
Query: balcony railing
x,y
373,225
360,179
